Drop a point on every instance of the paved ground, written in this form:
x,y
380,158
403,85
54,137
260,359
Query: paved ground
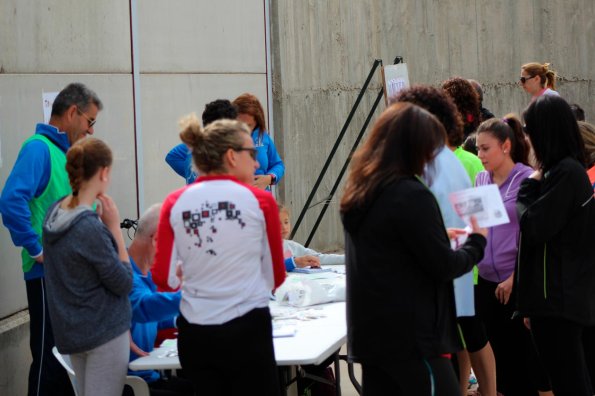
x,y
347,388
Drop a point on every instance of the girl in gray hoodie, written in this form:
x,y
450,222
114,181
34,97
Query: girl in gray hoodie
x,y
88,273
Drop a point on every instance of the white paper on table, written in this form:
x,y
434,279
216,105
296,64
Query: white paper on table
x,y
284,329
47,99
483,202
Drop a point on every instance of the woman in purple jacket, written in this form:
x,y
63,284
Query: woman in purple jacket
x,y
503,151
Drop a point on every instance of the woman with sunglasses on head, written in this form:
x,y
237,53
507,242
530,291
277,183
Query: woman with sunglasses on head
x,y
503,151
271,168
227,236
538,79
399,262
88,274
555,270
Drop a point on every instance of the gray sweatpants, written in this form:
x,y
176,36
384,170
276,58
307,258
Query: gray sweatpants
x,y
102,371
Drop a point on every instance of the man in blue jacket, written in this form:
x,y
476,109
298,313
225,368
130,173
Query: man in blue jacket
x,y
36,181
179,157
151,310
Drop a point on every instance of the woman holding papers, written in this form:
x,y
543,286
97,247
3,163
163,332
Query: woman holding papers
x,y
555,271
400,304
227,236
503,151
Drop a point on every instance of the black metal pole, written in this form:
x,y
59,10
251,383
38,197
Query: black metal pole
x,y
344,169
327,201
335,147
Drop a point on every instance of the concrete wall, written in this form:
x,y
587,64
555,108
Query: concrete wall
x,y
193,52
190,52
322,51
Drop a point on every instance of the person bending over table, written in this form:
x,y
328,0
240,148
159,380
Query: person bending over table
x,y
179,158
227,237
401,323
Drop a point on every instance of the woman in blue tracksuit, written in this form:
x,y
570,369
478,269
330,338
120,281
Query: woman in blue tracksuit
x,y
271,168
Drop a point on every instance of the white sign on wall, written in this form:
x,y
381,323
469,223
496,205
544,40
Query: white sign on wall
x,y
47,99
395,78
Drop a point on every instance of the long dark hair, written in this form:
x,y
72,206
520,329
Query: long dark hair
x,y
403,140
554,132
509,127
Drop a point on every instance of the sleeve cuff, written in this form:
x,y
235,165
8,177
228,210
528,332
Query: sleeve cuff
x,y
289,264
34,256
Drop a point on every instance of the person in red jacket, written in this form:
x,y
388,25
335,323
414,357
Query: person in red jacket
x,y
222,236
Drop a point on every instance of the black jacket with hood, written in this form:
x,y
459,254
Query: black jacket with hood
x,y
555,270
400,267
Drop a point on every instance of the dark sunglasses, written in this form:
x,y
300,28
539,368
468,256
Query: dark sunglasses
x,y
251,150
524,79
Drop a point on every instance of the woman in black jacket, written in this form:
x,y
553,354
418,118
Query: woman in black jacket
x,y
555,272
400,305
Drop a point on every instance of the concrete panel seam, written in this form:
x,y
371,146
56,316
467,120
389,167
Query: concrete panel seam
x,y
199,72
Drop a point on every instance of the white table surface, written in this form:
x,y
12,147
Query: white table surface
x,y
315,340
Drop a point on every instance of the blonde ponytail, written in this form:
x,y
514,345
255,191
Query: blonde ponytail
x,y
209,145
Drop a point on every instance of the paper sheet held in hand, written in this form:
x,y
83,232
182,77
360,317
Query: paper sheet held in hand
x,y
483,202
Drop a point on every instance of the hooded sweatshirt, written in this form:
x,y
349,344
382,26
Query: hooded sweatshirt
x,y
87,283
501,251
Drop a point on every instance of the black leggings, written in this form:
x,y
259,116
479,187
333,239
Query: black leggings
x,y
235,358
47,377
518,368
414,377
560,346
589,348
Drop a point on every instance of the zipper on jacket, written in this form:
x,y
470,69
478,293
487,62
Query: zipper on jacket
x,y
518,267
517,274
544,272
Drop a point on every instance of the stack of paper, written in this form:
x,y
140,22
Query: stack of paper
x,y
284,329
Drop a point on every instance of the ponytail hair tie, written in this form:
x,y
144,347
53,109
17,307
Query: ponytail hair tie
x,y
75,193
